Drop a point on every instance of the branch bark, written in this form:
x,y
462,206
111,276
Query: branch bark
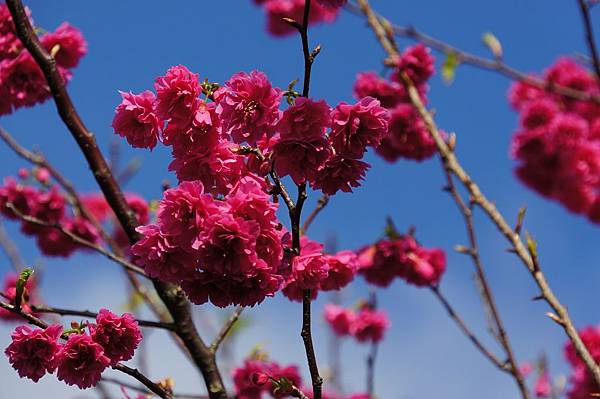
x,y
589,35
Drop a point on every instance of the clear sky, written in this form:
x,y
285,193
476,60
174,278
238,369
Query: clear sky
x,y
131,42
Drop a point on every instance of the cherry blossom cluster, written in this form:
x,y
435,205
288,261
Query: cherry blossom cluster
x,y
228,251
404,258
83,358
364,325
30,295
258,376
22,83
408,136
276,10
45,202
542,386
316,271
557,145
205,135
582,384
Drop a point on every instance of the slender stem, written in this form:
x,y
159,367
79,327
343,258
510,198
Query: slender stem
x,y
77,239
120,367
466,331
139,389
589,35
488,297
10,249
494,65
306,335
452,164
372,356
92,315
172,296
322,203
226,328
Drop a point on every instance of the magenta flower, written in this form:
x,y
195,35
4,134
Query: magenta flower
x,y
339,174
305,119
342,268
355,127
301,158
119,336
389,94
81,361
543,386
339,319
294,9
248,106
417,62
30,295
332,3
66,44
369,325
177,95
136,121
32,352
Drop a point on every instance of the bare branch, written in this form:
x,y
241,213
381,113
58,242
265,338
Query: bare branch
x,y
226,328
589,35
321,203
10,249
92,315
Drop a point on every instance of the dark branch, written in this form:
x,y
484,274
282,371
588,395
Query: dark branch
x,y
589,35
226,329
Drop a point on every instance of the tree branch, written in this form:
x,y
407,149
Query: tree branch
x,y
321,203
92,315
452,164
226,328
589,35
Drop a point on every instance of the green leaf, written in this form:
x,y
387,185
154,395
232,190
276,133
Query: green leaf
x,y
20,287
492,42
449,67
531,245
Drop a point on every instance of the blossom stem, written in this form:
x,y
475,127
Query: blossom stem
x,y
226,328
31,319
451,163
321,203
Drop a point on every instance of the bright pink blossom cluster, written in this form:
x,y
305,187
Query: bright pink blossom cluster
x,y
30,295
320,11
22,83
581,381
408,136
48,205
316,271
83,358
366,325
558,142
402,257
205,136
254,378
228,251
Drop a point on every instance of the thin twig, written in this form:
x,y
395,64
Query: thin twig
x,y
452,164
486,291
120,367
467,331
10,249
589,35
77,239
372,356
226,328
92,315
141,390
321,203
494,65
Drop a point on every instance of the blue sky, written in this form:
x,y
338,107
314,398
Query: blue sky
x,y
132,42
